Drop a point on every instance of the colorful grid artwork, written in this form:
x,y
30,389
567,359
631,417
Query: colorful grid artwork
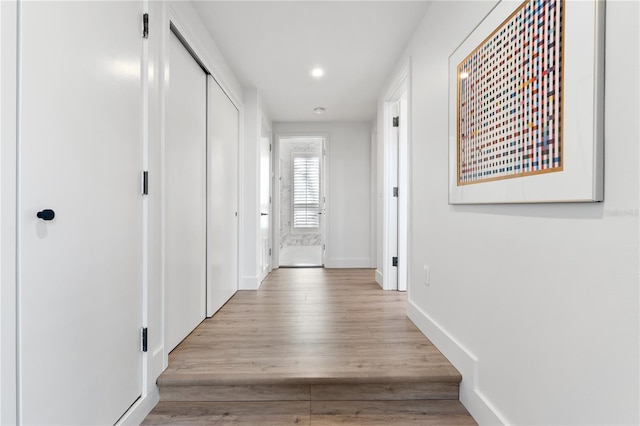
x,y
510,98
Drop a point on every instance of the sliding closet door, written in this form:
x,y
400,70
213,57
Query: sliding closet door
x,y
222,267
79,212
185,195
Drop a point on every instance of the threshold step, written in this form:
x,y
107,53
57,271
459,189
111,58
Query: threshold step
x,y
426,413
317,392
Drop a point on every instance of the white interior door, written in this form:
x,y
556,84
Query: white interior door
x,y
80,155
185,195
265,200
222,229
392,271
403,192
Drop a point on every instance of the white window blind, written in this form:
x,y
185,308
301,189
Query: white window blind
x,y
306,191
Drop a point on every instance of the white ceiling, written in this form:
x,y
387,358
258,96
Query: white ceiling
x,y
274,45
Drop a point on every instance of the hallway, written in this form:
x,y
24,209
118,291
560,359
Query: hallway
x,y
139,152
332,348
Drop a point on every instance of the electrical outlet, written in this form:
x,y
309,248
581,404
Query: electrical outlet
x,y
427,275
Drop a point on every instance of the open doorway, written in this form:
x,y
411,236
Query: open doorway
x,y
301,201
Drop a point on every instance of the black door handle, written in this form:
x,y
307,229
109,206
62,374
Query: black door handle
x,y
264,214
46,214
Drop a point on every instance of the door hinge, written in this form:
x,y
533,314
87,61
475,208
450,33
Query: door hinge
x,y
145,25
143,337
395,191
396,121
394,261
269,147
145,182
269,252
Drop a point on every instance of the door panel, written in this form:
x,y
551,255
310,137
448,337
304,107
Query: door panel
x,y
393,203
80,154
222,241
185,192
403,167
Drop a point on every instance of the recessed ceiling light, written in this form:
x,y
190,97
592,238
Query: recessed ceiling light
x,y
319,110
317,72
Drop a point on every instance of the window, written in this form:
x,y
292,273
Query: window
x,y
306,191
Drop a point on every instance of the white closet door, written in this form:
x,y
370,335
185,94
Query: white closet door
x,y
185,195
222,253
80,156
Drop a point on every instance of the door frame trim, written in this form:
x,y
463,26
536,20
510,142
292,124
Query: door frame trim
x,y
400,86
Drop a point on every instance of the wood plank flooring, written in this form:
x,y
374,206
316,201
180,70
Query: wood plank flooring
x,y
311,346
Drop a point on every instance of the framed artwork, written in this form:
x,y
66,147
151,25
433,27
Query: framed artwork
x,y
526,105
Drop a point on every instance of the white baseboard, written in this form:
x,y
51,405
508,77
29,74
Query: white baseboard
x,y
261,277
348,263
467,364
379,277
140,409
158,362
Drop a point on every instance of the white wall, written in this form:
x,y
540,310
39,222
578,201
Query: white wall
x,y
251,245
374,198
348,189
536,305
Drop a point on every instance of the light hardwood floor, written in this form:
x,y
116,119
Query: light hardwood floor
x,y
311,346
